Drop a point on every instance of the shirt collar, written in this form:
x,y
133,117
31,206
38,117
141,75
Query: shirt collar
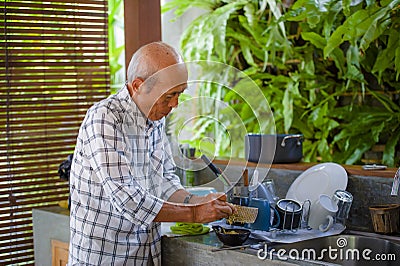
x,y
135,113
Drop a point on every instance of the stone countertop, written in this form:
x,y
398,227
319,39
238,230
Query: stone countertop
x,y
48,223
200,250
53,223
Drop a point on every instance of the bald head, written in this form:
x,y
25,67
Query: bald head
x,y
151,58
156,78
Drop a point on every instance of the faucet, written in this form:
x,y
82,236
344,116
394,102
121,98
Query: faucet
x,y
396,183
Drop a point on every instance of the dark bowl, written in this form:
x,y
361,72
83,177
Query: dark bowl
x,y
231,237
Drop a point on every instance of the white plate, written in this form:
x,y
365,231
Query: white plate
x,y
324,178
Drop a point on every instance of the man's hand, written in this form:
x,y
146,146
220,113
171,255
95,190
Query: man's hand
x,y
211,208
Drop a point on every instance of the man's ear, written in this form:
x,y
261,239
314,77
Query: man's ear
x,y
134,86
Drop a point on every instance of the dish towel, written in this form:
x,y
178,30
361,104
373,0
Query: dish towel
x,y
189,229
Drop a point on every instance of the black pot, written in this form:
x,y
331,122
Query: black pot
x,y
274,148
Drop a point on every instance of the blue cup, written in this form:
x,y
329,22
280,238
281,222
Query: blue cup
x,y
263,221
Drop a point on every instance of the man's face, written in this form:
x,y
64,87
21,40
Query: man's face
x,y
164,104
159,94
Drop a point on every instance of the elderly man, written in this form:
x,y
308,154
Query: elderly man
x,y
122,176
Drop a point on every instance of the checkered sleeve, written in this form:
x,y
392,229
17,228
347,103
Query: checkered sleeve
x,y
108,158
171,181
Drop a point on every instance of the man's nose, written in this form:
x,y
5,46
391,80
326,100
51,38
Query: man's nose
x,y
174,102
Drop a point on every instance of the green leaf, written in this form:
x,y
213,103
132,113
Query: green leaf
x,y
246,112
362,147
244,46
357,25
287,109
386,57
390,106
323,149
390,148
346,7
318,116
310,150
181,6
375,29
397,62
277,14
219,21
249,12
316,39
306,129
340,61
201,125
376,131
349,31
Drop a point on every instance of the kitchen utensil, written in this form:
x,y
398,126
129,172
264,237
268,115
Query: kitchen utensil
x,y
385,218
290,213
243,215
241,187
264,190
231,237
269,184
263,220
216,171
374,167
343,200
256,246
396,182
323,212
231,248
323,178
254,185
242,201
274,148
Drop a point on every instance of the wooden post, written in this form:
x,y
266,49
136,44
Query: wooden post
x,y
142,24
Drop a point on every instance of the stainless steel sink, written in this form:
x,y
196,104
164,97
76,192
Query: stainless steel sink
x,y
343,250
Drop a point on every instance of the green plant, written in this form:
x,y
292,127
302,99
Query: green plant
x,y
115,50
320,65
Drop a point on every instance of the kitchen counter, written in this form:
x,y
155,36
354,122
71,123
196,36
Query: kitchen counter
x,y
48,223
198,250
53,223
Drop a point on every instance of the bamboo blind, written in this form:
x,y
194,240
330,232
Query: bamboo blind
x,y
54,66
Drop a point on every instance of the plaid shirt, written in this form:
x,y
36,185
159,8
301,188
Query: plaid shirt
x,y
121,173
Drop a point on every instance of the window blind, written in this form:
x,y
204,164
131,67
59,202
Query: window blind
x,y
54,66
